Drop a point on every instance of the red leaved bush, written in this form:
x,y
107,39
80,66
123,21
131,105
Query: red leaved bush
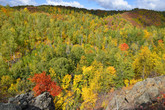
x,y
124,47
160,41
44,84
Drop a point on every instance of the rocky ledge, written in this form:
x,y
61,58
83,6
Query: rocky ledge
x,y
27,101
141,93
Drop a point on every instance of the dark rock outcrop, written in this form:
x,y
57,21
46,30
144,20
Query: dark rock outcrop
x,y
6,106
27,101
142,93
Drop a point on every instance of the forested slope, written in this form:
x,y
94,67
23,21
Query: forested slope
x,y
86,53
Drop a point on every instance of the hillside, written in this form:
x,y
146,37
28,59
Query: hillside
x,y
141,17
76,54
138,17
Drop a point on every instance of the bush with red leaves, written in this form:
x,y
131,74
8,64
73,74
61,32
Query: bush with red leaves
x,y
160,41
44,84
124,47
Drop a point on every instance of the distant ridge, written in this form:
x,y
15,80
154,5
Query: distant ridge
x,y
138,17
143,17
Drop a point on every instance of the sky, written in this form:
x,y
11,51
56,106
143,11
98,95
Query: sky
x,y
94,4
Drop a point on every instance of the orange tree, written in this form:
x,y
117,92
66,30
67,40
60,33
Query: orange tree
x,y
44,84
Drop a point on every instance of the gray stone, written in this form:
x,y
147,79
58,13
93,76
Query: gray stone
x,y
153,92
27,101
144,98
44,102
142,92
7,106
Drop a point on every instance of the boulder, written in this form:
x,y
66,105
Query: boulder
x,y
27,101
7,106
142,93
23,100
44,102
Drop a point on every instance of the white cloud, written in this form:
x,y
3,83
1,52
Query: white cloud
x,y
60,2
114,4
17,2
3,2
124,4
105,4
23,2
151,4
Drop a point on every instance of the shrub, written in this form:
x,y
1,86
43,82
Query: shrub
x,y
45,84
124,47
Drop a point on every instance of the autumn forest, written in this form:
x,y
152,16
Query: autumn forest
x,y
78,54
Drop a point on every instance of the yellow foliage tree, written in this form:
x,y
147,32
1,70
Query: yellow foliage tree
x,y
6,81
66,81
147,62
92,84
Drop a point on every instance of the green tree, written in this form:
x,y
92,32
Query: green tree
x,y
76,53
61,66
